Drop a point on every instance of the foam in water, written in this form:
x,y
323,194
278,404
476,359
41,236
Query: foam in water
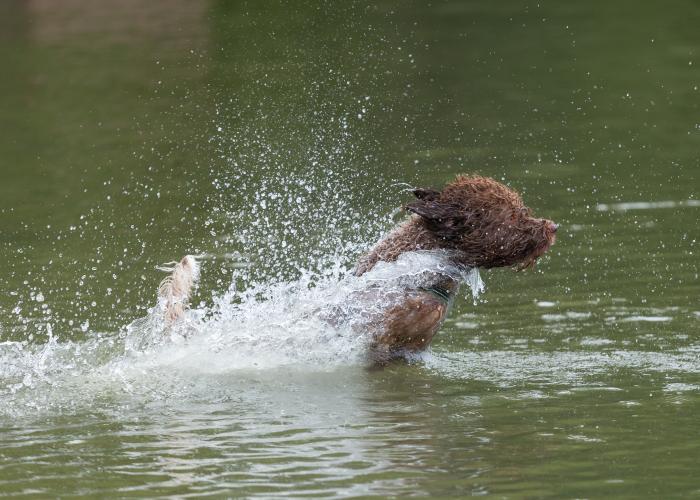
x,y
260,328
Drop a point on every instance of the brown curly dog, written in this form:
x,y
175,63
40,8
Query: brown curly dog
x,y
482,223
476,221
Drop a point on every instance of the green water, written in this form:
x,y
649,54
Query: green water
x,y
274,137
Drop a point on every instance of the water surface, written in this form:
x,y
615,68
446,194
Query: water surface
x,y
277,139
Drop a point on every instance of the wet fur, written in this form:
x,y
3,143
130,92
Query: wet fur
x,y
175,290
482,223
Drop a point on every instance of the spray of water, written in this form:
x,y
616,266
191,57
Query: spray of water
x,y
262,327
277,217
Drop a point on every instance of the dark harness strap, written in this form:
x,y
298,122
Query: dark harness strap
x,y
441,293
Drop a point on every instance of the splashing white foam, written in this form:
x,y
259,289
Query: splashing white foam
x,y
294,325
413,267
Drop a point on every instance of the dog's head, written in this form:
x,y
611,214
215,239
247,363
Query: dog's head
x,y
485,222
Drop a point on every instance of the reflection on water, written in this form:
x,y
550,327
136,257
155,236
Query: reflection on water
x,y
435,430
277,139
116,21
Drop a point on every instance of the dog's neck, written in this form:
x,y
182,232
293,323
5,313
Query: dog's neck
x,y
408,236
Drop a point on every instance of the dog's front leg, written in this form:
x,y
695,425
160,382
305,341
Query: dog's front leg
x,y
409,326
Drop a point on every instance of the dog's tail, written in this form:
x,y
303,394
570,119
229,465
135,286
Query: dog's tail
x,y
175,290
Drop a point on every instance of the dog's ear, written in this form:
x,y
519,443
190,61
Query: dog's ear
x,y
443,219
426,194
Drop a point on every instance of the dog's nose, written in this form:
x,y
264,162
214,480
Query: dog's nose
x,y
554,227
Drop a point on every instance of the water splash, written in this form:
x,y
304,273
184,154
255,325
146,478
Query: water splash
x,y
287,325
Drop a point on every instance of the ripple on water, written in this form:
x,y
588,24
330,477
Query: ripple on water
x,y
596,341
681,387
645,205
648,319
575,315
512,368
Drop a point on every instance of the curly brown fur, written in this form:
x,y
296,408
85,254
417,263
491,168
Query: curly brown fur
x,y
481,222
484,222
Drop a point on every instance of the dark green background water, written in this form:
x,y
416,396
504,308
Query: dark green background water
x,y
279,133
